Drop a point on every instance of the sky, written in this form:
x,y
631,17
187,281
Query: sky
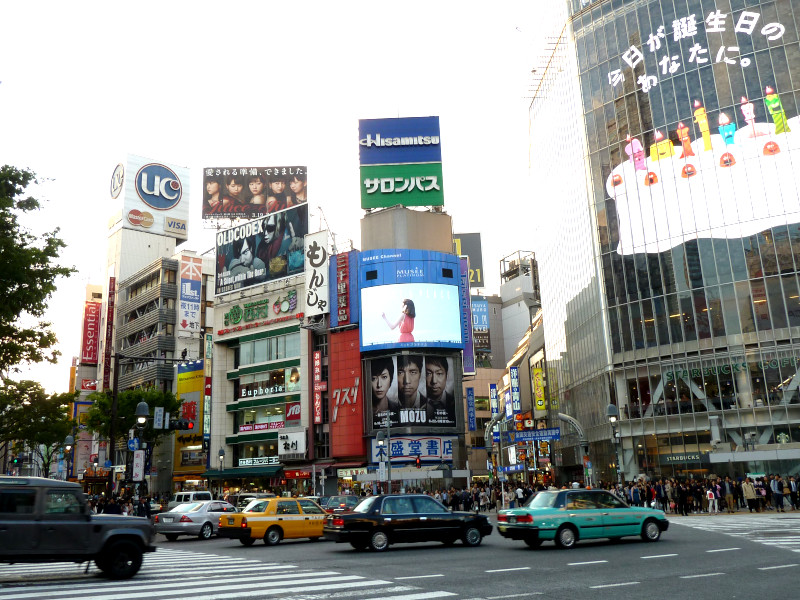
x,y
202,84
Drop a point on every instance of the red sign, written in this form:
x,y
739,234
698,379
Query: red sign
x,y
343,288
261,426
90,341
317,370
89,385
112,291
208,386
292,413
346,396
297,474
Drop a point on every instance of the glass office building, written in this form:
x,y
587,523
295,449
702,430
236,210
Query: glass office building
x,y
678,298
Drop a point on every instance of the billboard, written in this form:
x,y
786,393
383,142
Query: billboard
x,y
480,323
469,244
191,383
409,299
261,250
252,192
346,395
90,340
343,270
401,162
191,280
406,448
156,197
317,286
413,390
468,357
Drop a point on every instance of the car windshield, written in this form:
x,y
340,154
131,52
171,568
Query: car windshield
x,y
365,505
542,500
188,507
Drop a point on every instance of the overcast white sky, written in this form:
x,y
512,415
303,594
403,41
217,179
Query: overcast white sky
x,y
262,83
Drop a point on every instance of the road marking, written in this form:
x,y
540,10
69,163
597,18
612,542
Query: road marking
x,y
608,585
658,556
701,575
588,562
504,570
723,550
776,567
420,576
513,596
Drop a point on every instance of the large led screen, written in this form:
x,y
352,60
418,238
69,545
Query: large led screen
x,y
412,390
409,299
261,250
410,315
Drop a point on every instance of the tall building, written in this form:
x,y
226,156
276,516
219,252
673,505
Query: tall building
x,y
669,274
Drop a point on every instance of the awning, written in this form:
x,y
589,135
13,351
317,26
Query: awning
x,y
267,471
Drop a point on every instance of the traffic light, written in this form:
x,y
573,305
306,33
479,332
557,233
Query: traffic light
x,y
15,460
418,463
181,425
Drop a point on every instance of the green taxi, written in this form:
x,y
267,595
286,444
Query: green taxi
x,y
566,516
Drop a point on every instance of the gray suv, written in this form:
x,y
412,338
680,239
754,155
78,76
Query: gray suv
x,y
44,520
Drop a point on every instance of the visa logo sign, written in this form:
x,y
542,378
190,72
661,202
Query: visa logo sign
x,y
176,225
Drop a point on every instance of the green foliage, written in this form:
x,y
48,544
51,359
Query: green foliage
x,y
99,414
27,277
35,420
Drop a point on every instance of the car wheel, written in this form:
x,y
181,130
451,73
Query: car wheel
x,y
359,545
247,541
205,531
651,532
121,560
533,542
273,536
171,536
566,536
472,536
379,541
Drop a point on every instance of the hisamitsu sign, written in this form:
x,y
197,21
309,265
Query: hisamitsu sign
x,y
536,435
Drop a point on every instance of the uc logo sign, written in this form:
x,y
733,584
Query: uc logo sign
x,y
158,186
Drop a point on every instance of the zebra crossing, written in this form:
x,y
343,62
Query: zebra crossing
x,y
775,530
180,574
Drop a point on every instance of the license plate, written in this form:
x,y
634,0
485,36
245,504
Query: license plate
x,y
501,527
166,519
230,520
512,519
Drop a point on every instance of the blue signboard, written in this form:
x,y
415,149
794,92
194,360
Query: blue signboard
x,y
515,400
471,409
397,141
493,399
536,435
508,405
513,468
480,315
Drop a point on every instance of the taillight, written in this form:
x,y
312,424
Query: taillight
x,y
185,519
155,519
525,519
244,522
338,522
502,517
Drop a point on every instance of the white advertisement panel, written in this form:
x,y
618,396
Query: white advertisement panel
x,y
317,289
292,443
156,198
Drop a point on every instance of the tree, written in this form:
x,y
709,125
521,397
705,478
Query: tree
x,y
98,417
35,420
28,277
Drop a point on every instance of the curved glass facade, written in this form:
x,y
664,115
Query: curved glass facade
x,y
692,150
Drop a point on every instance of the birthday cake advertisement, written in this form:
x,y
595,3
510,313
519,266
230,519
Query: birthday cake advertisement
x,y
727,170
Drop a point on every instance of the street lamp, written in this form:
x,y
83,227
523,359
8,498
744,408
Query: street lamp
x,y
221,461
69,442
612,412
142,412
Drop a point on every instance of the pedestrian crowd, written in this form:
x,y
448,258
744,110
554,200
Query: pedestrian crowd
x,y
122,505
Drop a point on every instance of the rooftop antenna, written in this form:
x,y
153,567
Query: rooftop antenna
x,y
328,228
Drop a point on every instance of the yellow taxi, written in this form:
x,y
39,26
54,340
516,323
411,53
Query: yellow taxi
x,y
272,520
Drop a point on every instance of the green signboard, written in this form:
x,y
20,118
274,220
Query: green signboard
x,y
412,184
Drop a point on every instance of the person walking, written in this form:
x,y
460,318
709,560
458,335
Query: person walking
x,y
749,492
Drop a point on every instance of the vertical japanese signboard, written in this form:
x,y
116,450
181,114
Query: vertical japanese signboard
x,y
515,398
316,255
537,381
343,288
466,318
471,409
91,333
317,371
191,280
191,383
112,292
493,399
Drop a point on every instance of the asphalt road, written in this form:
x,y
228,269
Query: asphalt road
x,y
739,556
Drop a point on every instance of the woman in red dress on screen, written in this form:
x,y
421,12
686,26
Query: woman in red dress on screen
x,y
406,321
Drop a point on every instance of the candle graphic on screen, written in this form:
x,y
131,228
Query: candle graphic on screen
x,y
775,108
683,136
635,150
701,118
749,112
662,148
726,128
